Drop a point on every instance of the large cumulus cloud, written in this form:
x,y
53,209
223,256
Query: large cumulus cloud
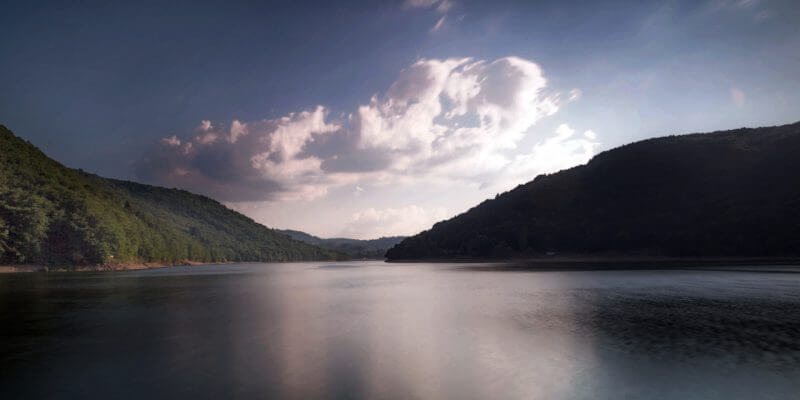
x,y
452,120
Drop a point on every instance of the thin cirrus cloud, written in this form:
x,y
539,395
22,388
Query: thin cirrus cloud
x,y
442,6
452,120
439,24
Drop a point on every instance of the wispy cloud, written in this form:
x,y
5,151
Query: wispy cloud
x,y
764,15
439,24
444,6
171,141
755,9
746,3
441,6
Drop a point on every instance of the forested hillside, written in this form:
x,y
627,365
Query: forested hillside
x,y
733,193
355,248
53,215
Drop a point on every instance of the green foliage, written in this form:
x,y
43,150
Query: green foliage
x,y
53,215
732,193
360,249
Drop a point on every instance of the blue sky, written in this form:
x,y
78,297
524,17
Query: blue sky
x,y
373,118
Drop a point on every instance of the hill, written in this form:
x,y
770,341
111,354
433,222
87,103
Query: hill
x,y
724,194
355,248
57,216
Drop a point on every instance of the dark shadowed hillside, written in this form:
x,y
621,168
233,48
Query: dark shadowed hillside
x,y
732,193
371,249
53,215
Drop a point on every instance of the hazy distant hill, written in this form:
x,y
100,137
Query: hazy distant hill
x,y
732,193
372,249
53,215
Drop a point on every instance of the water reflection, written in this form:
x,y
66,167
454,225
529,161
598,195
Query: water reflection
x,y
373,330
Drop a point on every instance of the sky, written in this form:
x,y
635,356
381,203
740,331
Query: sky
x,y
366,119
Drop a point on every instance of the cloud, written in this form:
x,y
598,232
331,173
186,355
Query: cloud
x,y
171,141
439,24
455,120
737,96
438,110
763,15
752,8
251,161
372,222
421,3
442,6
564,150
205,126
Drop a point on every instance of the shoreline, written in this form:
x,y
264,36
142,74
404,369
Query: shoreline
x,y
622,262
29,268
538,263
26,268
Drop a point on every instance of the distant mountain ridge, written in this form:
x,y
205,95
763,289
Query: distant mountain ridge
x,y
57,216
356,248
724,194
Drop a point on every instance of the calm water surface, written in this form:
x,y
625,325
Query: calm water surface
x,y
375,330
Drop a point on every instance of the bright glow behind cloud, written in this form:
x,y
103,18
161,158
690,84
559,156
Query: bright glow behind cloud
x,y
452,121
372,222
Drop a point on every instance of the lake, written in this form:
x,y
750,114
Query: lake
x,y
400,331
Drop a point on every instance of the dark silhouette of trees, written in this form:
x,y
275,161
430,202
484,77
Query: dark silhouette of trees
x,y
731,193
53,215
